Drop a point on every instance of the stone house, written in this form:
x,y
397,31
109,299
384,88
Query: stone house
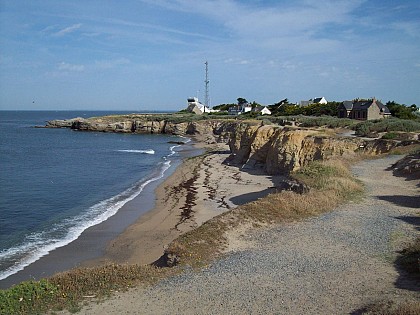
x,y
363,109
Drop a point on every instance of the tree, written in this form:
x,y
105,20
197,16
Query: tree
x,y
242,101
401,111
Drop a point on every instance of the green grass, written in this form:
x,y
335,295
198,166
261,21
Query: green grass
x,y
69,289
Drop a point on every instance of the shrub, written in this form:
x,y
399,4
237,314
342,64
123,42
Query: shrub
x,y
390,135
386,125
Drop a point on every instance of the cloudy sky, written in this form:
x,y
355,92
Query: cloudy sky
x,y
150,54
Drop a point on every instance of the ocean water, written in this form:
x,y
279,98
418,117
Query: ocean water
x,y
56,183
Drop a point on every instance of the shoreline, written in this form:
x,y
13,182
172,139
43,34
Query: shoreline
x,y
200,188
91,244
195,189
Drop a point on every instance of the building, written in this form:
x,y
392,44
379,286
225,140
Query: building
x,y
240,109
317,100
194,106
263,110
363,109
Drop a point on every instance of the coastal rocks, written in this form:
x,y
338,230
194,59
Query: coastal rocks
x,y
167,260
408,167
276,149
282,150
58,123
292,185
149,127
102,125
176,128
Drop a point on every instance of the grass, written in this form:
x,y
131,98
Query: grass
x,y
409,259
68,290
331,182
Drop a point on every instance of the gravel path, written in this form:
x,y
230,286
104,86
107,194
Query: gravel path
x,y
332,264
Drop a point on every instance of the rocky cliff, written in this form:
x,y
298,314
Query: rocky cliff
x,y
273,148
280,150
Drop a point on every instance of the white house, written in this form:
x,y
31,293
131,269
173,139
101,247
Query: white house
x,y
263,110
240,109
317,100
320,100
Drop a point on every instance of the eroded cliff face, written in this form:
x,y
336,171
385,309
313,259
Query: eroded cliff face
x,y
282,150
275,149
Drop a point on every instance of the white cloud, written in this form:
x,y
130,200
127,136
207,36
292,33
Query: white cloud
x,y
67,67
68,30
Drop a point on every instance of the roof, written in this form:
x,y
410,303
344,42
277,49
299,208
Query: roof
x,y
365,104
348,105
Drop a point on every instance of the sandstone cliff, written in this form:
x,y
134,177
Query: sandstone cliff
x,y
273,148
280,150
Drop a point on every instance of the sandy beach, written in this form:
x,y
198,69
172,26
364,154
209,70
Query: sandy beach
x,y
199,189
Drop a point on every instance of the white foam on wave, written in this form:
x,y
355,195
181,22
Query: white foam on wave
x,y
172,149
150,151
40,244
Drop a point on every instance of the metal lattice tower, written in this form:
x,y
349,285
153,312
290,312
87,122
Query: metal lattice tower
x,y
206,81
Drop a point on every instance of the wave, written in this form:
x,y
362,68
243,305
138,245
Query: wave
x,y
40,244
150,151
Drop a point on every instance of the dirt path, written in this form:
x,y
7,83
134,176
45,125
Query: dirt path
x,y
332,264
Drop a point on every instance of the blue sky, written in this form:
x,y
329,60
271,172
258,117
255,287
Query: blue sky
x,y
150,54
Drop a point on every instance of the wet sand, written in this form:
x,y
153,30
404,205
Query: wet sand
x,y
91,245
198,190
195,191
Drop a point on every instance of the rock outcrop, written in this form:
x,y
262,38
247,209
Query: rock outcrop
x,y
275,149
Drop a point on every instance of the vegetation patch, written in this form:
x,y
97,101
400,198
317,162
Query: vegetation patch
x,y
386,125
331,184
69,289
409,259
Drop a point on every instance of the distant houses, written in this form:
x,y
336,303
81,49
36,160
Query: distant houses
x,y
240,109
360,109
317,100
363,109
262,110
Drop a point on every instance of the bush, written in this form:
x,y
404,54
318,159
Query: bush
x,y
325,121
386,125
28,297
390,135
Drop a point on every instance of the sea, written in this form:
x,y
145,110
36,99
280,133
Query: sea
x,y
56,183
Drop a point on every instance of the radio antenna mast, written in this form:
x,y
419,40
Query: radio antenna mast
x,y
206,81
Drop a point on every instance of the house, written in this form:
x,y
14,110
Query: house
x,y
363,109
316,100
320,100
263,110
240,109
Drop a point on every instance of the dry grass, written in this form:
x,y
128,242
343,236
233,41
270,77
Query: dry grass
x,y
331,182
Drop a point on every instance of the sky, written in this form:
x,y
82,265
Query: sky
x,y
150,54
